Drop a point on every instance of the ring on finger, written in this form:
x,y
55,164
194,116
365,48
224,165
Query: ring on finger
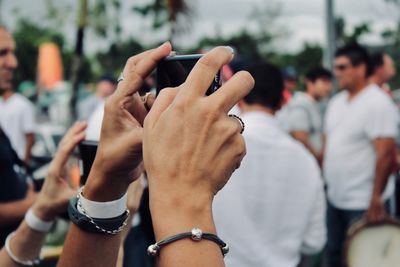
x,y
121,77
144,100
238,119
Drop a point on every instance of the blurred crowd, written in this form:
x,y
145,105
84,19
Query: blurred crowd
x,y
321,155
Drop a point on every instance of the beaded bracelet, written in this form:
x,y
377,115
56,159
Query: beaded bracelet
x,y
196,235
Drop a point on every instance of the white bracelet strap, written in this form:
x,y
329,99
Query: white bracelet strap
x,y
34,262
36,223
102,210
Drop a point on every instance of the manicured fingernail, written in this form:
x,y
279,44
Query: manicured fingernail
x,y
230,49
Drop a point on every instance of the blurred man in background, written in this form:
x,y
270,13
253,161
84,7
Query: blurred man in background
x,y
273,208
383,70
105,86
16,111
16,123
360,127
290,83
303,118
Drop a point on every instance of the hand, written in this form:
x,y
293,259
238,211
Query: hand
x,y
376,211
54,196
191,146
119,157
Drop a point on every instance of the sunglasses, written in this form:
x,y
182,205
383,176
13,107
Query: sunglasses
x,y
342,67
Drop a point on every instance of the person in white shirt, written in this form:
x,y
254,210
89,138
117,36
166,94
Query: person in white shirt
x,y
302,115
273,209
384,70
360,127
105,86
16,111
20,196
17,119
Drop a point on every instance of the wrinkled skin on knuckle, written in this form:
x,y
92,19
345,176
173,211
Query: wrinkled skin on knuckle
x,y
130,63
208,62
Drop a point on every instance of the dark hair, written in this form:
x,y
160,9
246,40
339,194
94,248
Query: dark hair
x,y
318,73
107,78
268,86
377,60
357,55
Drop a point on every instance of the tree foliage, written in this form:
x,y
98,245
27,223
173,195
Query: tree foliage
x,y
28,37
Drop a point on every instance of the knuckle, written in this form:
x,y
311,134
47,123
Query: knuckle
x,y
211,114
109,104
209,62
131,61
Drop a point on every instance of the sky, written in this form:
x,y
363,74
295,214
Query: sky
x,y
304,20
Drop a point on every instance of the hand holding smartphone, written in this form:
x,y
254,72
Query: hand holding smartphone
x,y
172,71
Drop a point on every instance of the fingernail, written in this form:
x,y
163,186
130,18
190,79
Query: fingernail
x,y
167,42
230,49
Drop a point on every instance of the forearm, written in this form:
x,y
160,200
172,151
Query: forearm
x,y
28,149
13,212
173,216
82,248
383,170
26,245
88,249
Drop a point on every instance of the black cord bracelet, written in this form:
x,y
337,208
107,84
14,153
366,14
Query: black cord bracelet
x,y
196,235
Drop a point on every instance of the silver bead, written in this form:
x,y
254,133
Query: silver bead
x,y
197,234
225,249
152,250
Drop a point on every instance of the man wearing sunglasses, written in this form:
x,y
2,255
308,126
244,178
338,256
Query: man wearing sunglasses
x,y
360,127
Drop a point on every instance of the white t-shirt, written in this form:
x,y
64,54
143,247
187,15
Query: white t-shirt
x,y
94,122
349,161
303,113
273,207
17,118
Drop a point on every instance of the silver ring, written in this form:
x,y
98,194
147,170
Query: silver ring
x,y
121,77
239,120
144,100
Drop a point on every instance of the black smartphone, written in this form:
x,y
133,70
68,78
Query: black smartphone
x,y
87,151
172,71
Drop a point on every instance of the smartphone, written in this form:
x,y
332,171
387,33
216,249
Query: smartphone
x,y
172,71
87,152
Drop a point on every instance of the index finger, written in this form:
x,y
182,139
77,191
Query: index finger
x,y
203,73
235,89
138,68
70,140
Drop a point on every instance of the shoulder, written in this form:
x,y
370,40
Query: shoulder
x,y
377,99
21,101
338,98
304,163
336,101
299,99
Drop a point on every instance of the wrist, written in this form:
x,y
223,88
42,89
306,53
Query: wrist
x,y
176,214
43,211
102,187
376,197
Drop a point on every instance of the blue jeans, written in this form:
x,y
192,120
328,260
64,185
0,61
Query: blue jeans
x,y
135,254
338,222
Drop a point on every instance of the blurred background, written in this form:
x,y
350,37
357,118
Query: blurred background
x,y
64,46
